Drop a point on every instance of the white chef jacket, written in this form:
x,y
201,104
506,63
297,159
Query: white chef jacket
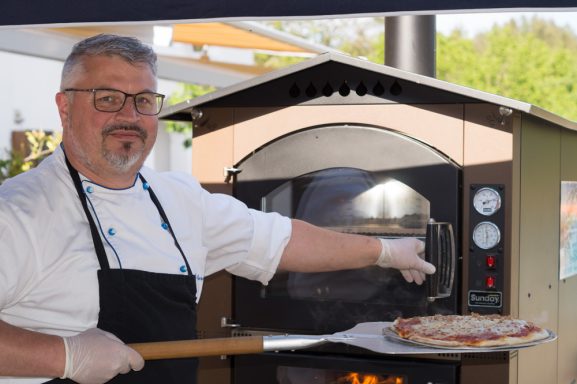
x,y
48,266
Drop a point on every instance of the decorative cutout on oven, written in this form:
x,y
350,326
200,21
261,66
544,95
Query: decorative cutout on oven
x,y
344,89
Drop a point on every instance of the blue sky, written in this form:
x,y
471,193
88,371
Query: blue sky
x,y
481,22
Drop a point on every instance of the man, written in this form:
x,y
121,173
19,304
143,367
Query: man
x,y
98,251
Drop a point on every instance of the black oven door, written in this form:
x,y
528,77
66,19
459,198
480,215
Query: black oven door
x,y
353,179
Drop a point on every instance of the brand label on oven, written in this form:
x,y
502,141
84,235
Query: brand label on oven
x,y
490,299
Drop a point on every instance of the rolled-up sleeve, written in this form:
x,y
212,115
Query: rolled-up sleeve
x,y
271,233
245,242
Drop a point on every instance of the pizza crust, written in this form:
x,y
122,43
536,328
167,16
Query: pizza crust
x,y
468,330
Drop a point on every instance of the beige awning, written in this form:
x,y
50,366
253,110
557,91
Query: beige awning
x,y
232,34
227,35
178,61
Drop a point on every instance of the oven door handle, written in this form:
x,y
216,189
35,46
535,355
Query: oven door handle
x,y
440,251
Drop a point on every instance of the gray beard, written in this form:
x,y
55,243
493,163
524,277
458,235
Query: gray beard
x,y
123,162
120,161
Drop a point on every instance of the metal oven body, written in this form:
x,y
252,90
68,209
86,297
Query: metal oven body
x,y
362,148
371,177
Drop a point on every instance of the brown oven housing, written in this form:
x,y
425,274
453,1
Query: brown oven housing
x,y
347,114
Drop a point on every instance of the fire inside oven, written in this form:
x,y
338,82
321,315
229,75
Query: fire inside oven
x,y
292,375
299,368
354,179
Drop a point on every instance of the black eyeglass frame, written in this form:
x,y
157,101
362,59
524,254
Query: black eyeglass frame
x,y
126,95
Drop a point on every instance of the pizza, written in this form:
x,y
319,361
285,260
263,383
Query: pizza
x,y
468,331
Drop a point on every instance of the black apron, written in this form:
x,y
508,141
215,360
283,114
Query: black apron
x,y
139,306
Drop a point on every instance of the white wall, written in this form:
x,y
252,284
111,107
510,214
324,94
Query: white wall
x,y
28,85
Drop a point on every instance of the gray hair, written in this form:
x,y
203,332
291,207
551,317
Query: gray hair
x,y
128,48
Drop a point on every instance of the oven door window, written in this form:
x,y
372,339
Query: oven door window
x,y
354,201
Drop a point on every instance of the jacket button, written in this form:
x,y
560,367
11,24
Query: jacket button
x,y
111,231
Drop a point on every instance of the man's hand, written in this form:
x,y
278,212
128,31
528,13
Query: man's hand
x,y
404,254
95,356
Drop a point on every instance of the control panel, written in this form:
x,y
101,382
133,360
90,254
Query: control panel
x,y
486,248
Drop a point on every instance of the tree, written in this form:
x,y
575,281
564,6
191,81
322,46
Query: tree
x,y
533,61
359,37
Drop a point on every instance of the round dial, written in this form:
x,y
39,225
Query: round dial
x,y
487,201
486,235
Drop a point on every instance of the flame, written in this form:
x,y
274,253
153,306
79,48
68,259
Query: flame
x,y
359,378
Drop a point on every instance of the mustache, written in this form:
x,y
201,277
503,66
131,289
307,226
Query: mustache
x,y
125,127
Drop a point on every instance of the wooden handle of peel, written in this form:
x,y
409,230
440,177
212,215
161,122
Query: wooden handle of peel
x,y
201,347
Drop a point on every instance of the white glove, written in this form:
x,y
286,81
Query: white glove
x,y
95,356
404,254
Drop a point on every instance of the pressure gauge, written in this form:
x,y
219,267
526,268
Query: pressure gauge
x,y
487,201
486,235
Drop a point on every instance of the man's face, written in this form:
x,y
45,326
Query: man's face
x,y
104,145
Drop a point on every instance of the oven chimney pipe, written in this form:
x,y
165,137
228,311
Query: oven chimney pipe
x,y
410,43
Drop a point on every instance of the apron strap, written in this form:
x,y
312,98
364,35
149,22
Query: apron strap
x,y
98,246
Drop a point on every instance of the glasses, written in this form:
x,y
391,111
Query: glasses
x,y
112,100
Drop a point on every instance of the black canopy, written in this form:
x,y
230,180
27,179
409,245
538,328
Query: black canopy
x,y
44,12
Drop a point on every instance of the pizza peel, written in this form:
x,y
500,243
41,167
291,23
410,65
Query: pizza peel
x,y
373,336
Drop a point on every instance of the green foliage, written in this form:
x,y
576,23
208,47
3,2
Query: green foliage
x,y
276,62
334,33
187,91
357,37
533,61
39,145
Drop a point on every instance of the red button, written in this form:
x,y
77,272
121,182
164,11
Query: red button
x,y
490,282
491,261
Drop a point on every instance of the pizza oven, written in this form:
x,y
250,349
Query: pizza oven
x,y
363,148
